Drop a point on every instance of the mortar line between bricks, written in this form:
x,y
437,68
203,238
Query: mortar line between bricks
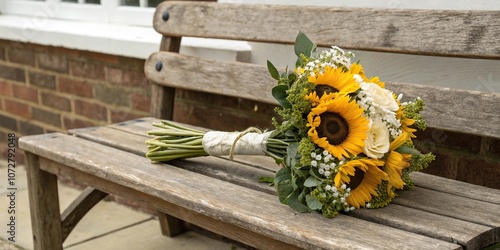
x,y
110,232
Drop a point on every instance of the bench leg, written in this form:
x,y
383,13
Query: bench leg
x,y
44,206
171,226
78,208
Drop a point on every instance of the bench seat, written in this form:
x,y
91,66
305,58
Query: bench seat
x,y
225,197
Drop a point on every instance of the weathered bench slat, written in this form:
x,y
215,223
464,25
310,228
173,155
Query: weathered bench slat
x,y
476,236
225,201
480,212
456,187
392,30
468,234
242,79
254,82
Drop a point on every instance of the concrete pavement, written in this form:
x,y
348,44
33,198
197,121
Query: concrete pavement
x,y
107,226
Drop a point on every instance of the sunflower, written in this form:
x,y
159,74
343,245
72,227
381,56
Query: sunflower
x,y
362,176
396,162
334,81
358,69
405,123
338,126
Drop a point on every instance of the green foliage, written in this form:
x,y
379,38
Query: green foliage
x,y
303,45
266,179
412,111
273,71
383,198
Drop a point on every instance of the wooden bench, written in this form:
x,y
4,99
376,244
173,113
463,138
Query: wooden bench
x,y
224,196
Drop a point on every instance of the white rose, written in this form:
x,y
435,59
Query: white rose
x,y
381,97
377,143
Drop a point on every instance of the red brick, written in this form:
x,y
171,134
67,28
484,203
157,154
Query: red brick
x,y
2,54
21,56
140,102
54,62
87,70
45,116
71,123
8,122
76,87
65,51
445,165
28,128
5,88
120,116
132,63
26,93
12,73
107,58
485,172
91,110
114,95
132,78
43,80
17,108
450,139
56,101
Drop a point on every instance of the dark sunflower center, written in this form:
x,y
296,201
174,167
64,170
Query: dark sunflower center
x,y
324,89
356,179
334,127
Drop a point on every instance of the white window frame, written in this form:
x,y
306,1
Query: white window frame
x,y
109,11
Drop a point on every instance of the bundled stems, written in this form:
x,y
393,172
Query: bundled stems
x,y
173,141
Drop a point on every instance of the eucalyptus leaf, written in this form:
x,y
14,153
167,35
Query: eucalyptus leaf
x,y
407,150
294,202
279,93
273,71
292,150
281,175
313,203
284,189
312,182
303,45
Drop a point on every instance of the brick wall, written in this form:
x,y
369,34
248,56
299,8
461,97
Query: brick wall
x,y
45,89
51,89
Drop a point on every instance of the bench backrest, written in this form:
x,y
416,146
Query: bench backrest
x,y
471,34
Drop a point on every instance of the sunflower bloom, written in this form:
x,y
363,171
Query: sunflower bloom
x,y
396,162
334,81
362,176
405,123
338,126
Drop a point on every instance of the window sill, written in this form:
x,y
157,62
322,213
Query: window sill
x,y
115,39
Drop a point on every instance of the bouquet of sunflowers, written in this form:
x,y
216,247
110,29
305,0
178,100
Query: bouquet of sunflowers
x,y
342,139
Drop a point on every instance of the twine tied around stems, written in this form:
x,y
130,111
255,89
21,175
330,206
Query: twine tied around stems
x,y
248,130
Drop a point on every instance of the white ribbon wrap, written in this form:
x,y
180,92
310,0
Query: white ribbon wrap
x,y
219,143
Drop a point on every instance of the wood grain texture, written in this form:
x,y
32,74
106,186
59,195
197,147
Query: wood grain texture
x,y
458,110
434,32
476,236
162,97
455,187
44,205
224,201
78,208
227,78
